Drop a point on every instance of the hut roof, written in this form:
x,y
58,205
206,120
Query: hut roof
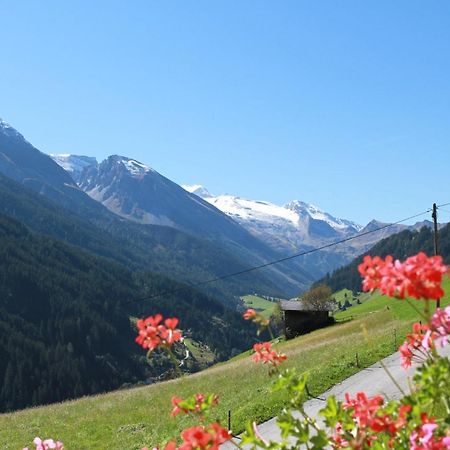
x,y
298,305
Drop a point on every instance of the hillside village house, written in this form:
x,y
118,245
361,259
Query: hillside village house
x,y
300,318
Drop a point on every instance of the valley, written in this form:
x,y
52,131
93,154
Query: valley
x,y
136,417
88,247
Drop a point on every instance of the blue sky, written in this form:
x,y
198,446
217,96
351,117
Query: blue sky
x,y
345,104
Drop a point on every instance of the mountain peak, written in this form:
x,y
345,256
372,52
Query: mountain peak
x,y
74,164
306,209
302,207
8,130
374,225
132,166
4,124
197,189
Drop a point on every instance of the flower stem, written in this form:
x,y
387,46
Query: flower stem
x,y
447,407
235,444
418,311
427,310
392,378
309,420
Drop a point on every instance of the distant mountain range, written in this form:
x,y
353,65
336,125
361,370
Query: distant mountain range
x,y
79,239
137,192
253,232
192,251
299,226
293,225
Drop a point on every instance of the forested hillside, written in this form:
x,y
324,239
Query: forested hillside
x,y
182,254
158,249
399,245
65,326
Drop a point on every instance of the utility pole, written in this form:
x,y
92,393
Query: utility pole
x,y
436,241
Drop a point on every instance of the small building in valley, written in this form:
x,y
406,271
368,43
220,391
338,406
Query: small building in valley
x,y
300,318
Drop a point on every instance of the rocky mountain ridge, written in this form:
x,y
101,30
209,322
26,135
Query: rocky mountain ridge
x,y
299,226
137,192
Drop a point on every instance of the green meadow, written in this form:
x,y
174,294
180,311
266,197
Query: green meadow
x,y
259,304
132,418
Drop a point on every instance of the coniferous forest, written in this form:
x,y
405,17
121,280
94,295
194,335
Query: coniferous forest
x,y
66,320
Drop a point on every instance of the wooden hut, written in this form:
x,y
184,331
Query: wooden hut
x,y
300,318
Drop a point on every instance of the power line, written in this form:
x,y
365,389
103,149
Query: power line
x,y
287,258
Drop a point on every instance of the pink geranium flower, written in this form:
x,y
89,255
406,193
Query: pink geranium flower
x,y
265,354
47,444
250,314
440,323
153,334
418,276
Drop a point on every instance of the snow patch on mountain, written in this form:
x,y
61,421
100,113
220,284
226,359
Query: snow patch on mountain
x,y
251,210
74,164
8,130
134,168
303,209
4,124
197,189
293,215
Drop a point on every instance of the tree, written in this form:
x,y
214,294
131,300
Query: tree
x,y
318,298
277,319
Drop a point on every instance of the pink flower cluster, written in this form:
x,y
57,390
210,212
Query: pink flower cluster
x,y
199,403
425,337
440,325
46,444
418,276
201,437
259,319
369,419
265,354
363,408
417,345
209,437
423,437
250,314
153,334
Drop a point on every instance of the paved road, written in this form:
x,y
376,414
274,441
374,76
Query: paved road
x,y
373,380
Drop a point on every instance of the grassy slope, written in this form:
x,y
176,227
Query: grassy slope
x,y
259,304
339,296
400,309
132,418
202,353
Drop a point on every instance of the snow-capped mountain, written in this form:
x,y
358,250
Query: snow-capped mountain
x,y
137,192
295,224
303,209
198,190
293,212
7,130
74,164
299,226
24,163
163,250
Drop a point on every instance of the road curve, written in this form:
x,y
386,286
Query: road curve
x,y
373,381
